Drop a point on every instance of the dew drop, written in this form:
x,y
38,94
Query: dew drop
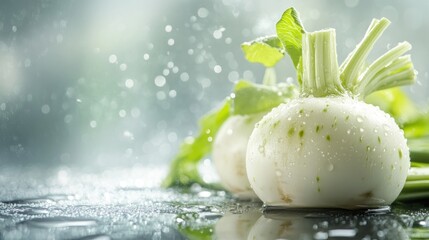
x,y
261,149
172,93
330,167
203,12
160,81
359,119
93,124
278,173
165,72
129,83
175,69
386,127
113,58
184,76
217,69
46,109
122,113
217,34
123,67
170,42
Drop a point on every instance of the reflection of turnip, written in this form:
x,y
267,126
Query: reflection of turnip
x,y
236,226
229,154
290,226
313,225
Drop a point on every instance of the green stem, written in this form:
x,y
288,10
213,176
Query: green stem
x,y
346,62
351,69
270,77
387,63
415,186
419,152
420,177
320,76
412,196
399,72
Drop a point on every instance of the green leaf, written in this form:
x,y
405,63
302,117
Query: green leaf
x,y
395,102
184,168
417,183
290,30
193,227
266,51
419,149
203,233
418,127
250,98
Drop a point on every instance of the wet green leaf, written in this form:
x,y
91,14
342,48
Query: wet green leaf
x,y
290,31
266,51
184,168
251,98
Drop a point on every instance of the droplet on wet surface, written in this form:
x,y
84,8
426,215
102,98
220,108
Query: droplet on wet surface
x,y
36,211
60,222
342,233
95,237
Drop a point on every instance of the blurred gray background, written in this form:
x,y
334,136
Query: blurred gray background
x,y
104,84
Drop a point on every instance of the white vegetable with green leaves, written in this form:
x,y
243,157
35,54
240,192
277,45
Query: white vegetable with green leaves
x,y
230,144
328,148
229,154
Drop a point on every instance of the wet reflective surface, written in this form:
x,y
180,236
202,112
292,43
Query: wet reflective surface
x,y
127,204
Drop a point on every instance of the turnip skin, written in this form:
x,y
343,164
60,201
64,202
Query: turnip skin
x,y
327,152
229,154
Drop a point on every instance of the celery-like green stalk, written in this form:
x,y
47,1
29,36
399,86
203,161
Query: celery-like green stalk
x,y
320,67
351,70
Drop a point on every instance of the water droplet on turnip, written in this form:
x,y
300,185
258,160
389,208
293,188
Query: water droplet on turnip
x,y
359,119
